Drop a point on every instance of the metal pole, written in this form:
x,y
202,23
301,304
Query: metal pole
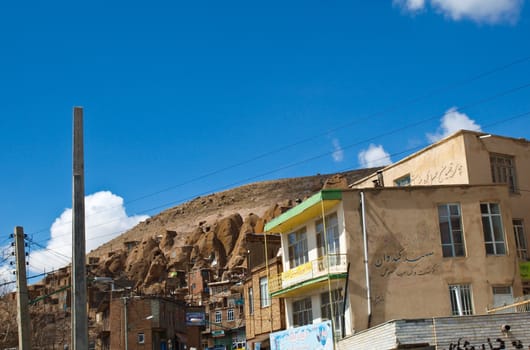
x,y
268,282
344,300
24,333
330,295
79,284
366,269
126,322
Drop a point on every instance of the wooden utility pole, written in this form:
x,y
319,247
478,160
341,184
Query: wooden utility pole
x,y
79,281
24,332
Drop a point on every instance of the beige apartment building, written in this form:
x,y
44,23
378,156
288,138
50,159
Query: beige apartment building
x,y
440,234
474,158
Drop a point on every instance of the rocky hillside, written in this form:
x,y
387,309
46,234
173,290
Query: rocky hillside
x,y
205,231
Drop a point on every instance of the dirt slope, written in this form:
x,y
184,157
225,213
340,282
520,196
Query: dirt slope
x,y
206,230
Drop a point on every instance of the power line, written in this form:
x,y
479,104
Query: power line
x,y
308,160
388,133
28,278
411,101
407,150
56,253
340,127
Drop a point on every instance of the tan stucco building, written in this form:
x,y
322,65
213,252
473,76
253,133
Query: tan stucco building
x,y
433,238
468,157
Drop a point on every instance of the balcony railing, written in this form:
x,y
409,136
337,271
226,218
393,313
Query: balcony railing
x,y
521,304
326,265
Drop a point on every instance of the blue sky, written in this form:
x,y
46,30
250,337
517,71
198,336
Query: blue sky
x,y
182,99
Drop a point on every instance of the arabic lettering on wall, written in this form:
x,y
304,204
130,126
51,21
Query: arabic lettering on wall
x,y
378,299
438,176
403,265
498,344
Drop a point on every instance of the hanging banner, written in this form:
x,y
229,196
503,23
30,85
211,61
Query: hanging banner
x,y
317,336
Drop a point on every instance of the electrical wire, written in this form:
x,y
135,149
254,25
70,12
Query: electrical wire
x,y
61,258
404,151
28,278
367,140
411,101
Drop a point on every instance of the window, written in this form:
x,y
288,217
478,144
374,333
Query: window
x,y
218,317
231,302
503,170
250,301
502,295
230,316
297,242
302,312
141,338
520,240
451,230
332,236
403,181
461,300
492,226
264,292
325,306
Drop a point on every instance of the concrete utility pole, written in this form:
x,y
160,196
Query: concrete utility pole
x,y
126,323
79,281
24,332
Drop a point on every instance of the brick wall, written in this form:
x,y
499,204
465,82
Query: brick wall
x,y
267,319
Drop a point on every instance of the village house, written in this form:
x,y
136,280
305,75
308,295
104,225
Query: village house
x,y
263,314
147,322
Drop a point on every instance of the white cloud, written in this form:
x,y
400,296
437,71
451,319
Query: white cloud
x,y
338,153
105,219
486,11
374,156
6,276
451,122
410,5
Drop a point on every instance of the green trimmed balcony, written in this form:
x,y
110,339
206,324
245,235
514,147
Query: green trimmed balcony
x,y
299,280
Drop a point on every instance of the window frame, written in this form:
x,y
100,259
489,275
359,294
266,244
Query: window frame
x,y
332,236
230,314
497,290
489,225
520,239
297,248
250,301
218,316
140,338
503,170
302,311
461,297
265,298
403,181
336,303
452,232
